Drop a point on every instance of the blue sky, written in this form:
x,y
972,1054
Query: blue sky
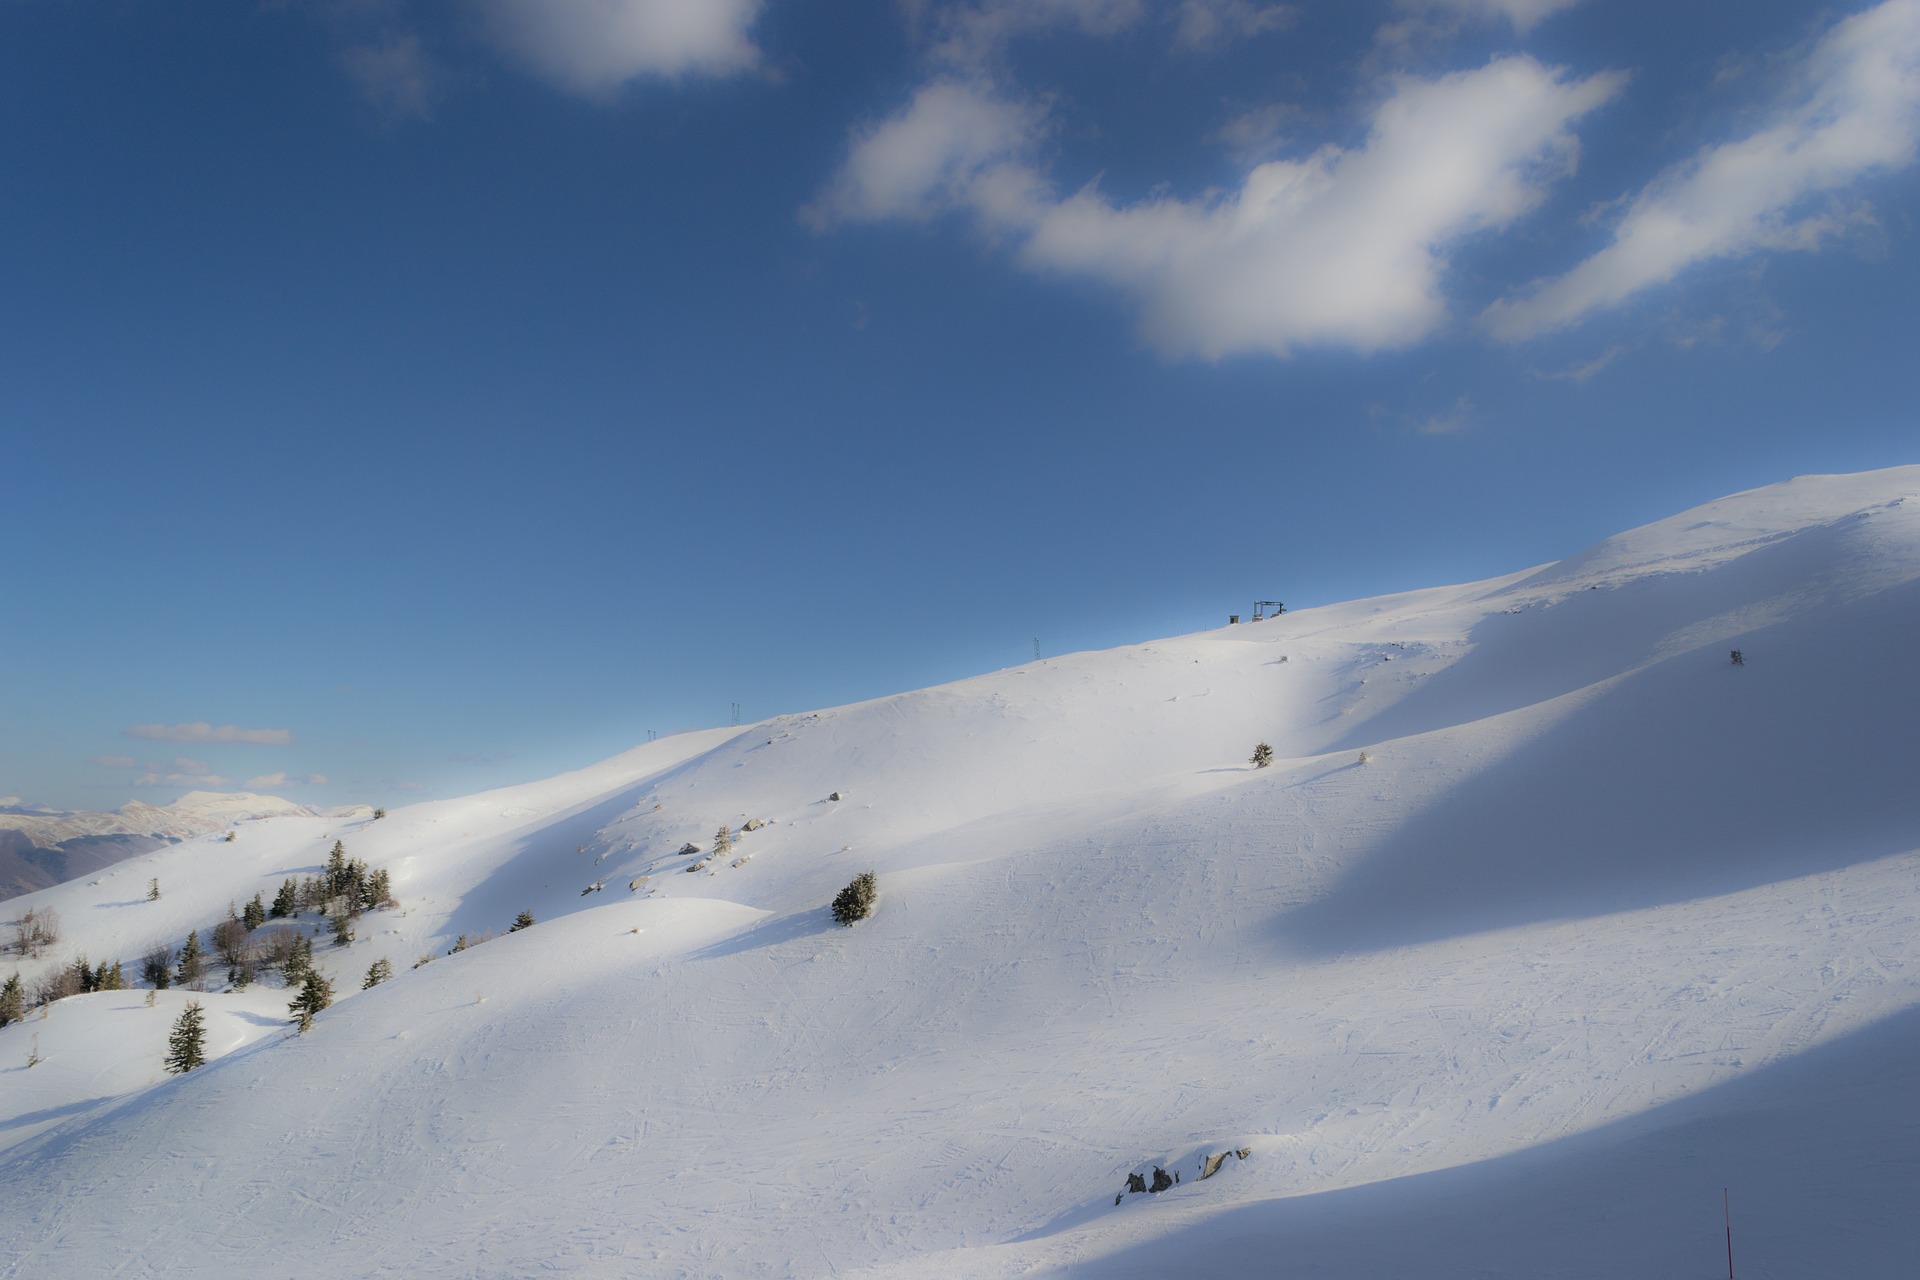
x,y
400,398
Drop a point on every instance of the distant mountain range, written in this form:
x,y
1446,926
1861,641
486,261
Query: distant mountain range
x,y
39,848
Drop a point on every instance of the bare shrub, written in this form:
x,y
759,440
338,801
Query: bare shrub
x,y
35,931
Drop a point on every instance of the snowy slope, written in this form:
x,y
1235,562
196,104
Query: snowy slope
x,y
1603,925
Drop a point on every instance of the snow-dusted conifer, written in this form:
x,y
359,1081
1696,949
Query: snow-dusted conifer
x,y
186,1044
377,972
1262,756
316,993
855,902
522,921
13,1001
193,961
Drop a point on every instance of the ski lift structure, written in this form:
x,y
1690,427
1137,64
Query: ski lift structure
x,y
1259,614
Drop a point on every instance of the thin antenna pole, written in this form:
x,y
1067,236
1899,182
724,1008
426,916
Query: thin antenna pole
x,y
1036,648
1726,1203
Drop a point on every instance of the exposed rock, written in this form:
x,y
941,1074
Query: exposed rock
x,y
752,824
1135,1184
1160,1180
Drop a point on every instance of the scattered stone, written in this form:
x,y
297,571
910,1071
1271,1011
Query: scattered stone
x,y
634,885
752,824
1136,1184
1160,1181
834,796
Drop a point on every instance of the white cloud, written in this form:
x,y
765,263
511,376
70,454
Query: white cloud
x,y
280,779
177,779
1212,24
396,76
1345,247
926,158
201,731
1855,112
1523,14
592,47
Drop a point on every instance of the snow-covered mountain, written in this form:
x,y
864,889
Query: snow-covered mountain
x,y
1548,922
41,847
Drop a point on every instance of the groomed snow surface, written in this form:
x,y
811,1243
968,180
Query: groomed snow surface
x,y
1603,925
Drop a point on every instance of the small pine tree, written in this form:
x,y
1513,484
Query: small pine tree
x,y
342,922
187,1044
255,915
379,814
230,836
723,840
377,972
522,921
1262,756
286,902
153,889
300,961
338,877
380,889
193,961
13,1001
459,945
316,993
855,902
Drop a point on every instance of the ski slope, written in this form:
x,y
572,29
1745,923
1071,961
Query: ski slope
x,y
1602,925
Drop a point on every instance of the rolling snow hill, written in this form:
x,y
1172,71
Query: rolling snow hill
x,y
1601,924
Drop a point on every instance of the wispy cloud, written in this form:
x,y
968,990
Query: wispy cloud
x,y
1207,25
281,779
201,731
116,762
1347,247
593,47
396,75
1854,112
1579,373
1524,15
1453,420
178,779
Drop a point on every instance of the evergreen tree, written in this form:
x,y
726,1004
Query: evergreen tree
x,y
13,1001
723,840
380,890
359,894
522,921
153,889
193,961
342,921
116,980
316,993
377,972
1262,756
286,902
186,1046
337,875
300,961
855,902
255,915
